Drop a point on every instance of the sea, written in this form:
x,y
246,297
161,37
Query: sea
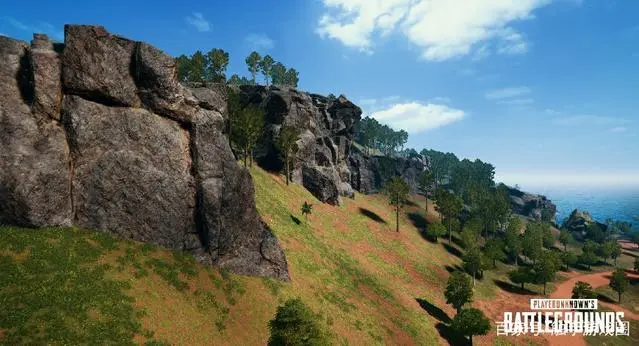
x,y
615,202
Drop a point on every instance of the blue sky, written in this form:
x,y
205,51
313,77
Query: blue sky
x,y
547,91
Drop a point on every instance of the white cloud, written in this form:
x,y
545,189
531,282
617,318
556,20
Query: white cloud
x,y
589,120
516,102
507,93
43,27
368,102
440,99
619,129
417,117
482,53
442,29
260,41
198,21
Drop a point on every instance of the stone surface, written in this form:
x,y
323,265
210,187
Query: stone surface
x,y
97,65
370,173
131,172
34,159
102,136
579,221
530,205
326,127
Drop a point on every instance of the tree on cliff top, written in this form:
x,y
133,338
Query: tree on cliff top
x,y
266,66
397,191
253,64
287,144
203,67
217,60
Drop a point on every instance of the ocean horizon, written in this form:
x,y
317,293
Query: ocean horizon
x,y
602,202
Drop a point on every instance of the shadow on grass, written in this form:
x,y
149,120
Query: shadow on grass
x,y
453,337
412,204
453,268
296,220
457,240
453,250
372,215
627,253
606,299
512,288
434,311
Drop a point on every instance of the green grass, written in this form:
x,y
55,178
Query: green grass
x,y
622,340
629,298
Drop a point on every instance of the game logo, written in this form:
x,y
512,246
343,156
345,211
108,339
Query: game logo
x,y
563,317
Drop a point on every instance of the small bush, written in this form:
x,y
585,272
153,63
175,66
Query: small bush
x,y
295,324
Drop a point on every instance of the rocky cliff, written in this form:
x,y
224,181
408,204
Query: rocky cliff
x,y
370,173
531,205
326,125
97,133
579,221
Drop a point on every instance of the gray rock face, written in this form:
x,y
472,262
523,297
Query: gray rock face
x,y
579,221
102,136
326,125
34,160
530,205
370,173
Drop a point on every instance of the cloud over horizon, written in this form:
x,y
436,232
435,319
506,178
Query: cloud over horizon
x,y
260,41
415,117
442,29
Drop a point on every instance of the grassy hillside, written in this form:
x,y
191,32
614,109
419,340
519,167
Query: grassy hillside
x,y
347,263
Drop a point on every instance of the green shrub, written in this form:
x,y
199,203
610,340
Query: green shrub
x,y
295,324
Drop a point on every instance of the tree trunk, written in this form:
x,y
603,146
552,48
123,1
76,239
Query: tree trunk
x,y
450,232
544,288
517,260
471,340
522,286
615,261
286,163
426,207
245,156
250,157
565,247
473,279
397,218
619,297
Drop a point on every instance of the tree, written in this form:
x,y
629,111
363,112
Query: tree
x,y
605,250
619,282
247,128
235,80
494,250
595,233
278,74
183,66
449,206
513,238
473,262
458,290
253,64
546,268
587,258
616,252
634,237
521,276
470,237
266,66
532,242
217,60
295,324
306,210
583,290
565,238
435,230
287,145
426,181
569,259
470,322
292,78
397,191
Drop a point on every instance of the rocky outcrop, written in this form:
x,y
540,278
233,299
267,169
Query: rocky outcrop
x,y
531,205
370,173
579,221
98,133
326,128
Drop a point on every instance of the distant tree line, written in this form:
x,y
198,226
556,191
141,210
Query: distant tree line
x,y
373,135
211,67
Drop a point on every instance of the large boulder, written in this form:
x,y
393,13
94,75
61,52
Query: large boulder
x,y
579,221
531,205
34,159
99,134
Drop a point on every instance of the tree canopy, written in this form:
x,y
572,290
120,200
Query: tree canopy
x,y
295,324
203,67
397,191
470,322
373,135
459,290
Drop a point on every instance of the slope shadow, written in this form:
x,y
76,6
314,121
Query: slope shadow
x,y
372,215
453,250
296,220
627,253
453,268
412,204
606,299
452,336
512,288
433,310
